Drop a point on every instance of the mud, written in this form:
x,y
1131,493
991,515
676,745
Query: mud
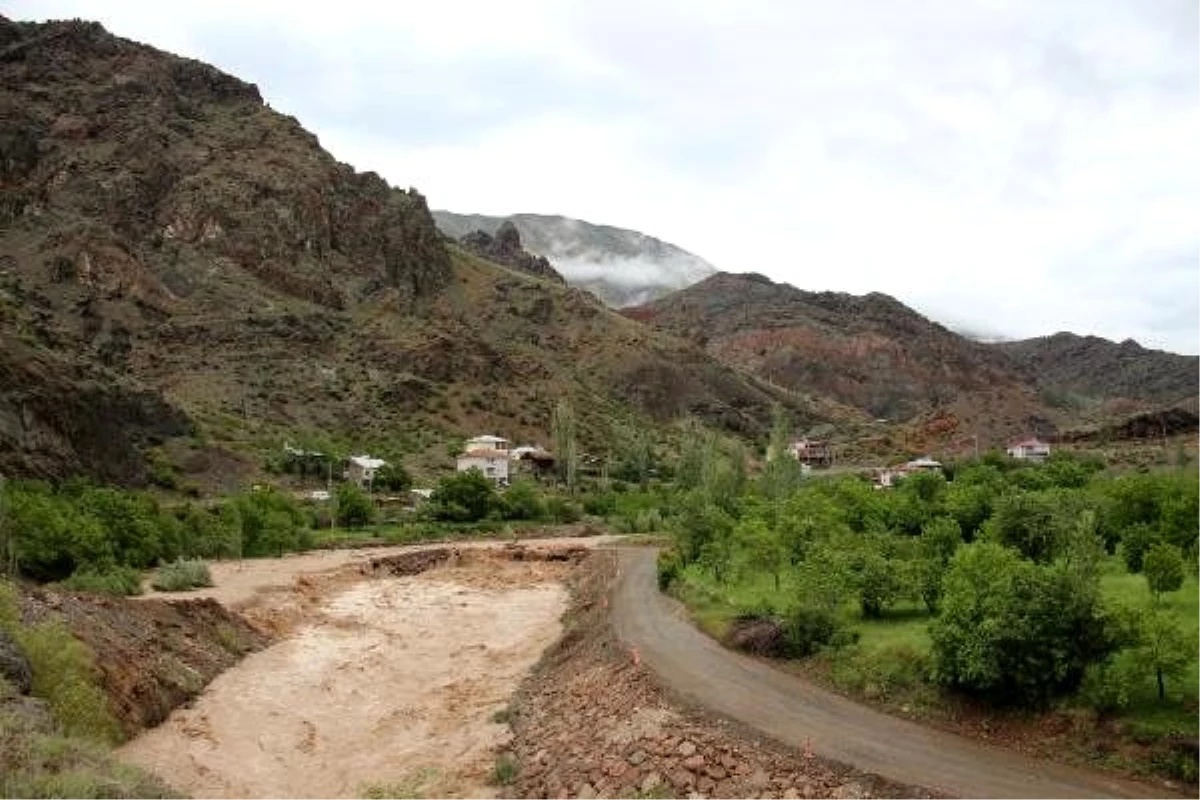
x,y
382,683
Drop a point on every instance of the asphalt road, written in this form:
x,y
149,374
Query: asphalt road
x,y
794,711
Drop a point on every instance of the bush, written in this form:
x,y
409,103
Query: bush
x,y
806,630
522,501
669,569
354,507
117,581
562,510
883,673
182,575
463,497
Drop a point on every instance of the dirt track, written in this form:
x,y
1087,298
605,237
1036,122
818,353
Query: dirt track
x,y
794,711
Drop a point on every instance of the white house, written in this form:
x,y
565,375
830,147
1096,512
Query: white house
x,y
489,455
362,469
1030,450
492,463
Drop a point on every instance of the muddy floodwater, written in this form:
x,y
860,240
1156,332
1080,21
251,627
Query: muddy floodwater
x,y
390,683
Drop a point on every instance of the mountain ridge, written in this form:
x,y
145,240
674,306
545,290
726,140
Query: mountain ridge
x,y
621,266
177,253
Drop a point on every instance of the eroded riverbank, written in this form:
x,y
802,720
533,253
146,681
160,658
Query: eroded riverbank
x,y
383,681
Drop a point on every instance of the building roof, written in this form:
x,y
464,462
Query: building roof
x,y
489,439
1028,443
924,461
366,462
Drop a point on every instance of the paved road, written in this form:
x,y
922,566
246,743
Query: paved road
x,y
793,710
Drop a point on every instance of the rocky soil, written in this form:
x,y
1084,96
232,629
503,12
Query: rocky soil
x,y
592,722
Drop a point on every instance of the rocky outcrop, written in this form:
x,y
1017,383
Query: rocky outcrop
x,y
505,248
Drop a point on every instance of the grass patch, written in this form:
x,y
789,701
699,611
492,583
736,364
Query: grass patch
x,y
181,575
116,581
502,716
411,786
504,772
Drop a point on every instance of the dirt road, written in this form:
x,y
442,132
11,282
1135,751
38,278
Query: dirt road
x,y
794,711
385,682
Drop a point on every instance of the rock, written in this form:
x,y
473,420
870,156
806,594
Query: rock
x,y
586,791
792,793
636,757
686,748
705,784
716,772
694,763
651,782
757,782
681,779
14,667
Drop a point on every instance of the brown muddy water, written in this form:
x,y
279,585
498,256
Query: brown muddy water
x,y
388,683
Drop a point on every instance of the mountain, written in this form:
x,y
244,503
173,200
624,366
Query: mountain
x,y
871,353
621,267
1088,368
187,280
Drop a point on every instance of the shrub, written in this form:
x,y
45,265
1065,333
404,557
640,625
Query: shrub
x,y
182,575
562,510
118,581
463,497
505,770
806,630
669,568
354,507
522,501
882,673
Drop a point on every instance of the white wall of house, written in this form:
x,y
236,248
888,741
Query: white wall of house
x,y
492,463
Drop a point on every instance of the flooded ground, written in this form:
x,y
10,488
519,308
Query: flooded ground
x,y
385,684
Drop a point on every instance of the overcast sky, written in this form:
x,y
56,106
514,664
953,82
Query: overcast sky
x,y
1008,167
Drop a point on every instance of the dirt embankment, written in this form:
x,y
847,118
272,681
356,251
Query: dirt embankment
x,y
591,721
151,655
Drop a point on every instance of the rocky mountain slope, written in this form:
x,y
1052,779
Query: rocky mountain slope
x,y
1088,368
872,353
184,268
620,266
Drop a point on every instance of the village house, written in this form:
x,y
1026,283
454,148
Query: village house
x,y
887,477
1030,449
489,455
812,452
362,469
531,460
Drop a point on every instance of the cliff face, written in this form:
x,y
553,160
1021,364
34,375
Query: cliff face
x,y
138,189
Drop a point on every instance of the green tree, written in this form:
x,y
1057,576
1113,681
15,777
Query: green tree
x,y
393,477
463,497
1164,647
354,507
562,424
763,549
1136,541
879,584
522,501
1013,630
782,472
1163,568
